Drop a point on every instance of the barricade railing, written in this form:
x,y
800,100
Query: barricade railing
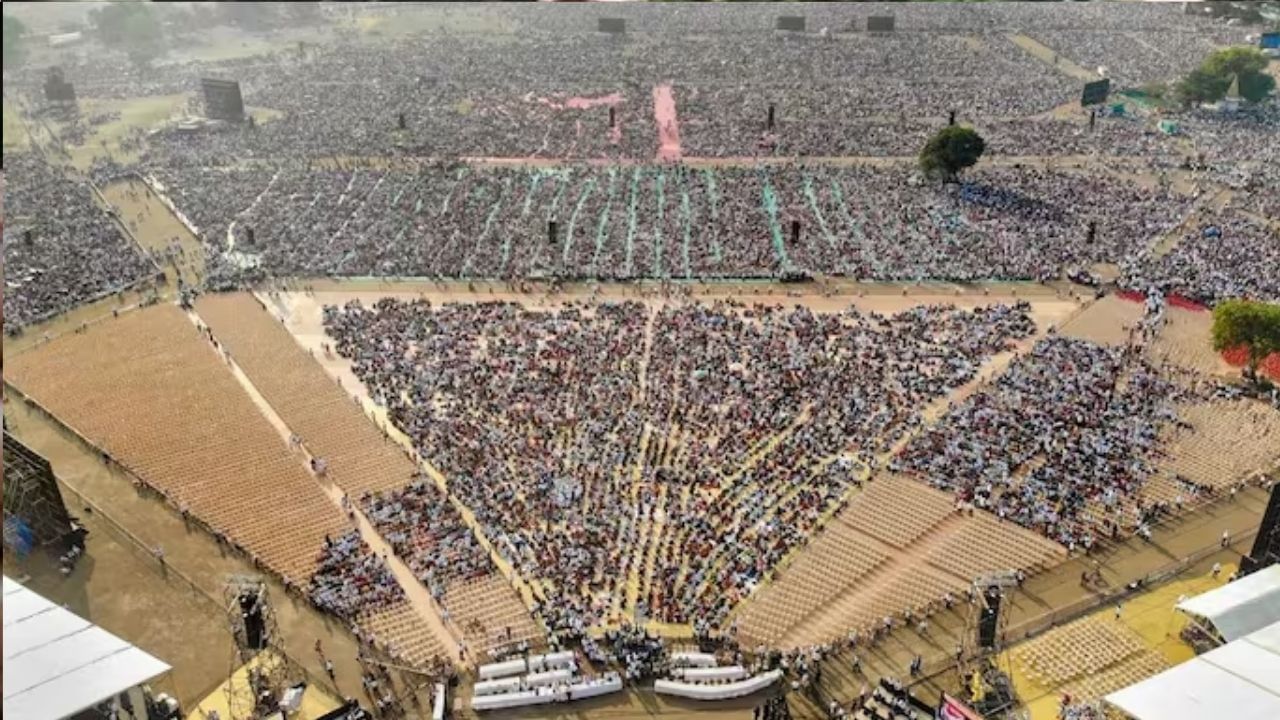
x,y
167,571
1070,612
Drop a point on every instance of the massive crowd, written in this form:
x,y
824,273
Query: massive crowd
x,y
863,221
426,530
663,461
333,183
1226,255
1062,442
687,449
1134,58
60,247
351,579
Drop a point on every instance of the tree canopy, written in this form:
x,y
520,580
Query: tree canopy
x,y
1211,81
1236,61
132,27
951,150
1252,325
14,51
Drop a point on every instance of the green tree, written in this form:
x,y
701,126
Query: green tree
x,y
131,27
1252,325
1257,86
951,150
1236,61
1202,86
14,50
1210,81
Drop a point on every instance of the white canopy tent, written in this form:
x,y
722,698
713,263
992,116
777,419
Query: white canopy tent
x,y
1240,680
57,663
1240,607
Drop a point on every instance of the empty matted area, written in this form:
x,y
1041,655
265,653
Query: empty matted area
x,y
1228,441
328,421
148,390
915,549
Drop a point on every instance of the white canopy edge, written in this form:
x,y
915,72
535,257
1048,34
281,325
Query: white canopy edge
x,y
1240,680
57,663
1240,607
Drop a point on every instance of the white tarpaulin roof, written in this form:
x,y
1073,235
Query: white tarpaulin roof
x,y
56,663
1240,607
1240,680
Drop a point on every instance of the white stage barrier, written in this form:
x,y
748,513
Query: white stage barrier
x,y
541,696
560,692
610,683
725,691
714,674
557,660
502,669
499,685
437,707
550,677
693,659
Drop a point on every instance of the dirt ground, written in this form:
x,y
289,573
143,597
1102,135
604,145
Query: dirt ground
x,y
134,113
117,587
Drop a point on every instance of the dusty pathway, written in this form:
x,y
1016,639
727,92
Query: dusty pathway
x,y
1048,56
154,226
664,114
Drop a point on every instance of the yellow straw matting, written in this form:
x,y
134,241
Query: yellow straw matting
x,y
316,701
1150,616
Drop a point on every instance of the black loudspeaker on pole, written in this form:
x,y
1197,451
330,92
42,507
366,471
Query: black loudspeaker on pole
x,y
771,117
1266,545
989,619
795,232
951,120
551,232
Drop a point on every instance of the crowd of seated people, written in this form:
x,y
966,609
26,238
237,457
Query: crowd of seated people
x,y
1135,58
429,534
875,223
350,579
1062,442
549,91
1226,255
344,187
60,247
589,460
